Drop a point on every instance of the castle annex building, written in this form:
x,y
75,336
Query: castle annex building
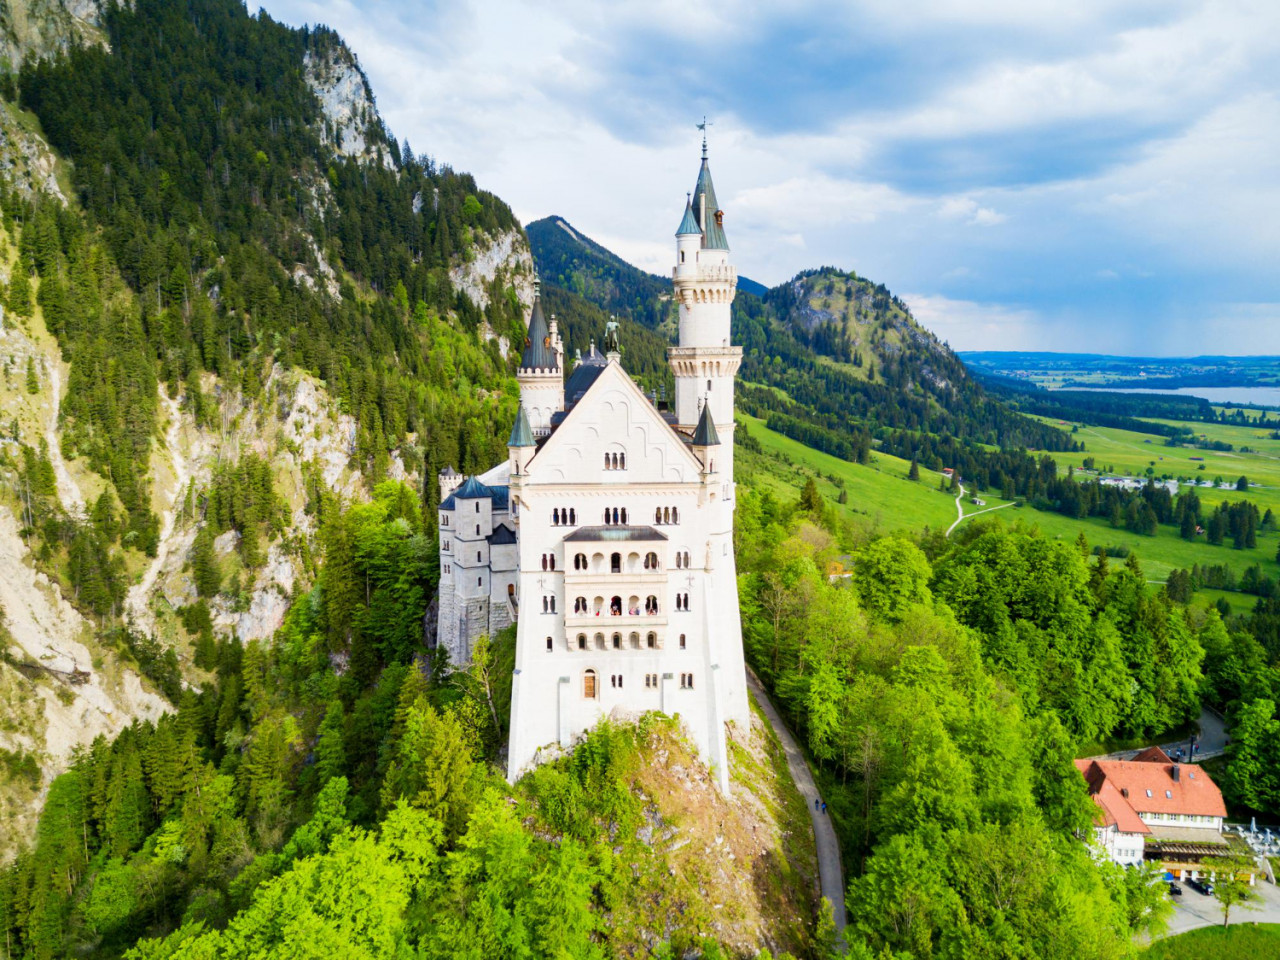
x,y
608,532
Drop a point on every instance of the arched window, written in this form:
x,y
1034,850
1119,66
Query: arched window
x,y
666,514
599,638
544,561
651,641
589,685
635,640
675,514
657,514
622,459
477,506
573,515
582,641
477,529
615,563
682,642
579,561
617,641
478,556
553,603
624,514
544,605
551,559
607,464
615,607
548,644
555,517
651,605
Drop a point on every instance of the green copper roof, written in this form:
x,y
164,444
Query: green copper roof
x,y
713,237
537,345
705,435
521,432
690,223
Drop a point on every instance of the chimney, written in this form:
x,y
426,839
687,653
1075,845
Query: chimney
x,y
1124,792
1177,773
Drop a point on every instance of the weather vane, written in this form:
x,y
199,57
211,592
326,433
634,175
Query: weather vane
x,y
703,127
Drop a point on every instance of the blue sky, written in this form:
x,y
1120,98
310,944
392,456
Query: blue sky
x,y
1085,175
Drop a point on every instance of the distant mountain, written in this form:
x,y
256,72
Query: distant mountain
x,y
830,358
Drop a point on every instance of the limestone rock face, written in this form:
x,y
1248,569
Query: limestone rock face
x,y
346,100
30,29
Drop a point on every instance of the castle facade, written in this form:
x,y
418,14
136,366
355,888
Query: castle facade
x,y
608,532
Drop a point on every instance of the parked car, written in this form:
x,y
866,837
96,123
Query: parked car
x,y
1201,886
1174,889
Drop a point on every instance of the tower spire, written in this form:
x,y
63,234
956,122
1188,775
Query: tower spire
x,y
703,127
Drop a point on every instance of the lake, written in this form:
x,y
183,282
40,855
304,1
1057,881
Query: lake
x,y
1259,396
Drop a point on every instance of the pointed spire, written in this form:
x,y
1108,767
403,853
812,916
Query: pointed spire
x,y
538,354
705,435
706,209
689,224
521,432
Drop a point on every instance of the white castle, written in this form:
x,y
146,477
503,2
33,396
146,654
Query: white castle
x,y
608,532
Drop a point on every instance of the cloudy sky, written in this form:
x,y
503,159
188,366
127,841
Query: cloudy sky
x,y
1080,175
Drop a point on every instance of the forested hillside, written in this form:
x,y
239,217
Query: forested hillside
x,y
240,286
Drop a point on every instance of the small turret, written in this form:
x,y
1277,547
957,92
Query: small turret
x,y
706,440
521,444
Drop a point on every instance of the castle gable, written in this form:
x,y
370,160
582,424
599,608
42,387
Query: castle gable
x,y
614,416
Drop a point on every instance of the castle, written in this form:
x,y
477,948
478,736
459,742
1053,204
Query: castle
x,y
607,534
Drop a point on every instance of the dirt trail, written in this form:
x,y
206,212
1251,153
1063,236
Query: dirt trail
x,y
137,603
961,516
68,492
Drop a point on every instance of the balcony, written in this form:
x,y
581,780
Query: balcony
x,y
607,622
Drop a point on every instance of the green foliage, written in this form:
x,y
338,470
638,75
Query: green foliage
x,y
1245,941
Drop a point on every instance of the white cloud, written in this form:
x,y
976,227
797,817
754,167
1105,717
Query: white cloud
x,y
968,210
968,325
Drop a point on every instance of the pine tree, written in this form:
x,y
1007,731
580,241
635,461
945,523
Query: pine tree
x,y
33,381
914,472
205,569
20,292
331,754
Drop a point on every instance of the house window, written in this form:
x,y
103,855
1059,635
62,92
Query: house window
x,y
444,519
589,685
599,638
615,607
634,640
651,605
477,556
615,563
579,604
686,681
477,506
652,641
682,641
651,561
579,561
448,545
477,529
548,644
582,641
617,641
479,582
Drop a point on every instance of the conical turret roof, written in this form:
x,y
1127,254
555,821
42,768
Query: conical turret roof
x,y
538,353
521,432
688,225
705,435
713,237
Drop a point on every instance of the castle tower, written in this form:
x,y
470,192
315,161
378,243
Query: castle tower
x,y
541,373
705,363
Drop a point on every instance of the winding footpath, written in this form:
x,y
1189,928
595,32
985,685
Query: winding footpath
x,y
961,516
830,873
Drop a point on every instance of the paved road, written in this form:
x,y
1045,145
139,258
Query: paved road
x,y
1213,739
1194,910
830,874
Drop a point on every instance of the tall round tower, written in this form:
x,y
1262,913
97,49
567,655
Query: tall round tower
x,y
541,372
705,363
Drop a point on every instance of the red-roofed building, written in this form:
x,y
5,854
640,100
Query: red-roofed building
x,y
1151,808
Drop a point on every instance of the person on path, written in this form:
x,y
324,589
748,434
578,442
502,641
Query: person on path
x,y
816,801
824,806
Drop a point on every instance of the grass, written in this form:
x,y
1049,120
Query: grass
x,y
881,497
879,493
1242,941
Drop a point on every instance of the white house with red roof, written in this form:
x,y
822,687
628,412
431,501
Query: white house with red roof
x,y
1152,808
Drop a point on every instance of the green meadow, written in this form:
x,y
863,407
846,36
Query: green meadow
x,y
1241,941
880,495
